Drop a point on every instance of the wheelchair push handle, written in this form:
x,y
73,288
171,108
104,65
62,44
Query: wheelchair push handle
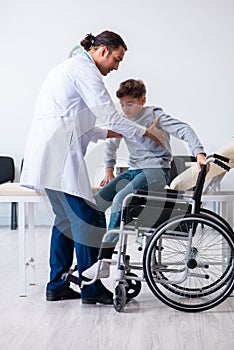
x,y
220,157
219,160
222,165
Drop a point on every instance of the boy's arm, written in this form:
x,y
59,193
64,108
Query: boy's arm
x,y
185,132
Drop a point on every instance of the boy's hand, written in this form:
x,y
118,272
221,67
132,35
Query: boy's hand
x,y
108,177
155,134
201,158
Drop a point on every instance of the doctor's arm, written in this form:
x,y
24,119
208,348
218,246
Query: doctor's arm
x,y
111,134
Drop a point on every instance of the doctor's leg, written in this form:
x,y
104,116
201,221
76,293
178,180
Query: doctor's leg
x,y
62,245
88,227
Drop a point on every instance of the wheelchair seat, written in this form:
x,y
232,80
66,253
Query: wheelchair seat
x,y
153,208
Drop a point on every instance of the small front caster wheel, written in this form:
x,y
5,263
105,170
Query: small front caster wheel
x,y
120,297
133,287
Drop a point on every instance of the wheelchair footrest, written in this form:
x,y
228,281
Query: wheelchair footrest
x,y
68,276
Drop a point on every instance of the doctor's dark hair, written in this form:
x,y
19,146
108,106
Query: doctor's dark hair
x,y
109,39
131,87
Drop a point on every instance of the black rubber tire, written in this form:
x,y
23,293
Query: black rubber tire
x,y
133,287
120,297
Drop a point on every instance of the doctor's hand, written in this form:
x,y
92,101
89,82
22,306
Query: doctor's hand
x,y
111,133
108,177
155,134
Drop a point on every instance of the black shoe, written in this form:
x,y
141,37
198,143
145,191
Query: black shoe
x,y
104,289
104,298
62,294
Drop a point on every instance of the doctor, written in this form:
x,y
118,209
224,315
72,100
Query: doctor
x,y
72,97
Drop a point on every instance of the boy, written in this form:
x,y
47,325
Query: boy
x,y
149,163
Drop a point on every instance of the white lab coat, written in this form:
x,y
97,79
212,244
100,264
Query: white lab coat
x,y
71,98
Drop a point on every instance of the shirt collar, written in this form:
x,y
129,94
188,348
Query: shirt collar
x,y
88,55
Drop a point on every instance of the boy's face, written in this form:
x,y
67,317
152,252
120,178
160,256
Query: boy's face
x,y
131,106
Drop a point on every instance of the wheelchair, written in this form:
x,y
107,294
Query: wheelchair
x,y
187,257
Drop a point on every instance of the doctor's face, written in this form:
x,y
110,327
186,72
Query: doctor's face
x,y
109,61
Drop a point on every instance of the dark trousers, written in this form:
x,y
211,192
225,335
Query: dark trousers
x,y
78,225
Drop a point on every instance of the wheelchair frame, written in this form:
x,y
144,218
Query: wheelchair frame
x,y
188,257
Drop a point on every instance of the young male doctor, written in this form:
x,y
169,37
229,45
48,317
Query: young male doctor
x,y
72,97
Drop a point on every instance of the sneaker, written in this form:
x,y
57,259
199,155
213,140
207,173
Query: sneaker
x,y
104,270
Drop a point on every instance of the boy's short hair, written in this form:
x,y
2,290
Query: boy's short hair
x,y
131,87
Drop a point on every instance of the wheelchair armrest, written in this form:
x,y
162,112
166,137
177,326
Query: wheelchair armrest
x,y
168,193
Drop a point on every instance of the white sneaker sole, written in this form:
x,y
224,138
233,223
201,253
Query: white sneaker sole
x,y
91,271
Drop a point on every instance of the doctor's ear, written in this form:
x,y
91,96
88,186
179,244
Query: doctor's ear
x,y
103,50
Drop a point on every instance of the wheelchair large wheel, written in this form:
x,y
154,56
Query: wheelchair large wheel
x,y
189,292
216,217
189,263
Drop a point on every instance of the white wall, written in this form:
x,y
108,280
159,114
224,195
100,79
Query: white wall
x,y
182,49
